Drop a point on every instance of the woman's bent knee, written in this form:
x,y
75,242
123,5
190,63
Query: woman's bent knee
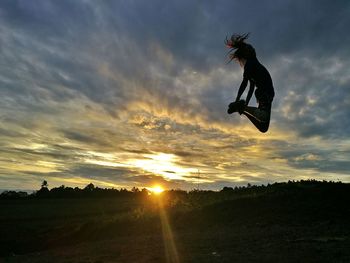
x,y
264,127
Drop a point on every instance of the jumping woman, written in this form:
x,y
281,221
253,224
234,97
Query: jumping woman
x,y
259,80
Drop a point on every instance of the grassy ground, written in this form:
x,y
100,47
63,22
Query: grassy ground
x,y
303,225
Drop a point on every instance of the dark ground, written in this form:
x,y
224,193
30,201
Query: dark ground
x,y
298,222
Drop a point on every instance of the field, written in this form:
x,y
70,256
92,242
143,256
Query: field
x,y
291,222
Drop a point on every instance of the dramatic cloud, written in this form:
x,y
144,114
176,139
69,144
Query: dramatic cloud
x,y
131,93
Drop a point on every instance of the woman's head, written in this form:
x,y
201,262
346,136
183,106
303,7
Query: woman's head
x,y
239,49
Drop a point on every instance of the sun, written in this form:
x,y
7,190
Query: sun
x,y
156,189
163,164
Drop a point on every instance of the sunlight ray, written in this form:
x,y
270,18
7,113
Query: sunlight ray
x,y
171,252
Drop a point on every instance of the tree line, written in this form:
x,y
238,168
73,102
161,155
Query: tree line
x,y
92,191
73,192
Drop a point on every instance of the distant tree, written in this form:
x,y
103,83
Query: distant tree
x,y
44,191
226,189
44,184
90,187
13,195
135,190
22,194
144,191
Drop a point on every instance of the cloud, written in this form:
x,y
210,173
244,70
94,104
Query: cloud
x,y
112,82
314,98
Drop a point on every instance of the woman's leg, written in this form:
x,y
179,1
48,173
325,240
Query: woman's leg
x,y
262,115
259,117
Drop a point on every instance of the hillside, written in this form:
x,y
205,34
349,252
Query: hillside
x,y
287,222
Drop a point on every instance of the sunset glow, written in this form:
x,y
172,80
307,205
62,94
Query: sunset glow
x,y
156,189
85,101
164,165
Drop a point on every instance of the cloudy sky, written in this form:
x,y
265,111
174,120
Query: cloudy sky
x,y
131,93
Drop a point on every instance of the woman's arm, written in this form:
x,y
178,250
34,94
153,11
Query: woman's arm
x,y
242,88
250,92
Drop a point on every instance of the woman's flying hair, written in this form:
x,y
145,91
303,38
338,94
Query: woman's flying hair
x,y
239,48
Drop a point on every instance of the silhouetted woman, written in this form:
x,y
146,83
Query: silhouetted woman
x,y
259,79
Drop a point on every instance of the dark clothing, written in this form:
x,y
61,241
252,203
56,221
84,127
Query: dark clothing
x,y
266,106
260,81
258,74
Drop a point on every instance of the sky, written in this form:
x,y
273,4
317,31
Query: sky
x,y
134,93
